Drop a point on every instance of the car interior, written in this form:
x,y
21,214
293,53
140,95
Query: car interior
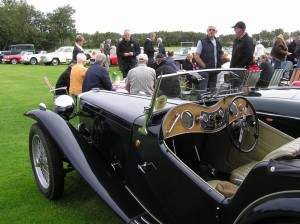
x,y
194,134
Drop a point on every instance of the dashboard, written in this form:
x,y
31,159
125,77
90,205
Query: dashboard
x,y
195,118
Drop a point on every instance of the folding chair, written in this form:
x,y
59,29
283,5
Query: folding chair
x,y
287,66
53,90
276,78
295,77
252,78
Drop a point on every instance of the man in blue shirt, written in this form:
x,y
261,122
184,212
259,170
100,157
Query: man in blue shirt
x,y
97,76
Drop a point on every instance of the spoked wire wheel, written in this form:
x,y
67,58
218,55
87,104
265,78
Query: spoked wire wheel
x,y
46,162
40,161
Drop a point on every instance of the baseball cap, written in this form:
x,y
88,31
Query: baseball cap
x,y
160,56
142,57
240,24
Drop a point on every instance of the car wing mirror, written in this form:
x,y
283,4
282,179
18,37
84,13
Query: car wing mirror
x,y
148,111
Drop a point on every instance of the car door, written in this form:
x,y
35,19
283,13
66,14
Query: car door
x,y
166,187
66,54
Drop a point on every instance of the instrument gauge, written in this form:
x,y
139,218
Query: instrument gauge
x,y
233,109
187,119
205,117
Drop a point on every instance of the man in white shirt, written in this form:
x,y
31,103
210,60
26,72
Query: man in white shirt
x,y
259,50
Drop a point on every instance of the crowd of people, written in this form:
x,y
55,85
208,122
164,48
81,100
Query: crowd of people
x,y
141,70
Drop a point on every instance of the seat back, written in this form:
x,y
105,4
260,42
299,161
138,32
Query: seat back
x,y
289,150
276,78
252,78
287,66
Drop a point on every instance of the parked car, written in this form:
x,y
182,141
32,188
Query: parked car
x,y
180,56
59,56
201,156
113,56
278,107
15,58
18,48
32,59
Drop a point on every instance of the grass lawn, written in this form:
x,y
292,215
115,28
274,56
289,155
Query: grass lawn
x,y
22,89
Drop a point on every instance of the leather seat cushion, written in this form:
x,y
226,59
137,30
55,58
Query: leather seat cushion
x,y
224,187
239,174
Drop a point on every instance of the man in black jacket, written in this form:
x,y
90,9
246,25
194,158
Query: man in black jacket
x,y
127,50
291,49
149,49
79,41
169,86
243,47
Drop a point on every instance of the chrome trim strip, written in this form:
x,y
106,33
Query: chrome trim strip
x,y
136,198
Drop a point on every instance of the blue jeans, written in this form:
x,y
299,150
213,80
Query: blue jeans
x,y
298,63
202,87
276,64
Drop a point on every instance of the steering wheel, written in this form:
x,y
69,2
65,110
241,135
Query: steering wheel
x,y
242,124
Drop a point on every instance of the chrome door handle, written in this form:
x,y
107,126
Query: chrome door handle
x,y
144,166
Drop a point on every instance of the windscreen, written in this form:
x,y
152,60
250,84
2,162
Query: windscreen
x,y
194,85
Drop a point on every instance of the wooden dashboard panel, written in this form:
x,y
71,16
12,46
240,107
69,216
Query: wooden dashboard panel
x,y
194,118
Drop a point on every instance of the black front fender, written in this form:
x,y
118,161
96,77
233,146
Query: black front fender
x,y
84,158
57,127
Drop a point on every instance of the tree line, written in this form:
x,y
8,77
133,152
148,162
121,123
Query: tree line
x,y
22,23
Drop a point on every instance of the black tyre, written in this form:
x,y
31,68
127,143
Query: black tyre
x,y
14,61
46,162
55,61
33,61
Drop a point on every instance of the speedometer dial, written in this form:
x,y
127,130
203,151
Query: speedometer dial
x,y
187,119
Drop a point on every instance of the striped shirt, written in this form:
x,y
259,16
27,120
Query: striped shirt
x,y
141,79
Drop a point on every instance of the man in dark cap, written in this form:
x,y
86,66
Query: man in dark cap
x,y
243,47
169,86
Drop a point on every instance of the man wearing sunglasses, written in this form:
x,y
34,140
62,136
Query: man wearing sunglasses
x,y
209,55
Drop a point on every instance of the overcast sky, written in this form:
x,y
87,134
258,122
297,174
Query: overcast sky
x,y
191,15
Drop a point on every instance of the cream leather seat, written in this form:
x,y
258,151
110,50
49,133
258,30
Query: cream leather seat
x,y
289,150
